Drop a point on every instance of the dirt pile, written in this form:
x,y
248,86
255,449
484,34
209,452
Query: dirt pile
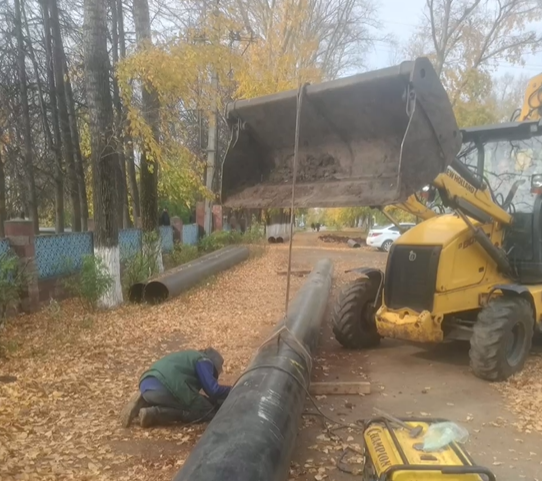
x,y
339,239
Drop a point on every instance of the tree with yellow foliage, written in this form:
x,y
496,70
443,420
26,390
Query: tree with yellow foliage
x,y
466,39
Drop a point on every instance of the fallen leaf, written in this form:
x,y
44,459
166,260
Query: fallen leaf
x,y
56,418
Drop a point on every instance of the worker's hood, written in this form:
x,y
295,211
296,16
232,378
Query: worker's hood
x,y
215,357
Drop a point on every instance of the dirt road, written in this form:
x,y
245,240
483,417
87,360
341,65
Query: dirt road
x,y
409,380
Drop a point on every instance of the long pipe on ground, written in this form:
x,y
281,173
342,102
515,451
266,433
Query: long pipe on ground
x,y
174,282
252,437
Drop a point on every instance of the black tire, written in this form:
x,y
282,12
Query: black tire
x,y
386,246
502,338
353,316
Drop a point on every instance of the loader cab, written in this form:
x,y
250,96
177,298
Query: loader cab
x,y
509,158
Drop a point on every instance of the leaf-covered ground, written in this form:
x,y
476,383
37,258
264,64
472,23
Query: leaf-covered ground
x,y
59,419
523,394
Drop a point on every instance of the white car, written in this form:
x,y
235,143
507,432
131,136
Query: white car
x,y
383,237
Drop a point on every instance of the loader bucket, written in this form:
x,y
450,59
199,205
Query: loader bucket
x,y
368,140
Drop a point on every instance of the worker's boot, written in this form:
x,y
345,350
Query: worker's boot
x,y
160,416
131,409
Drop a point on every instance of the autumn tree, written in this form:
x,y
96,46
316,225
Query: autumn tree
x,y
32,201
174,76
508,95
68,151
149,167
3,212
126,140
303,41
54,139
104,155
123,208
466,39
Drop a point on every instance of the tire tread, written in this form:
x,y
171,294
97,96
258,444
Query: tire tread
x,y
349,328
493,322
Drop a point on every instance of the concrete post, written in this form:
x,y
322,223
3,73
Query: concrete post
x,y
21,237
177,225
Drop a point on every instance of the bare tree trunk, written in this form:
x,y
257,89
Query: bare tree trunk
x,y
27,128
104,155
67,142
79,165
127,139
148,172
56,144
3,216
124,214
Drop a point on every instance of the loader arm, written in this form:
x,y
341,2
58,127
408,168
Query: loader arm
x,y
532,105
413,206
461,192
471,197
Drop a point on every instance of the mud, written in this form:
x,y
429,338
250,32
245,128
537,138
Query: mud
x,y
339,239
311,168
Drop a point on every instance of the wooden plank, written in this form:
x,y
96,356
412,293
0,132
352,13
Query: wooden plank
x,y
355,387
294,273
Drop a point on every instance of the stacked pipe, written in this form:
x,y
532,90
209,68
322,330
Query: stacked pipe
x,y
278,233
253,435
175,282
354,244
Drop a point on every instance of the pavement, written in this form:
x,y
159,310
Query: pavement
x,y
407,380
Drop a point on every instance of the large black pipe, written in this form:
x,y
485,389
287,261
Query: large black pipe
x,y
253,435
174,282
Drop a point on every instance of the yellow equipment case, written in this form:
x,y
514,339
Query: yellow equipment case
x,y
391,454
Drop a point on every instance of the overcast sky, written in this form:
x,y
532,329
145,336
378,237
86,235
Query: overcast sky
x,y
400,18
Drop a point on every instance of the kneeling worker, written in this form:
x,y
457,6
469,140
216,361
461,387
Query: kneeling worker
x,y
169,391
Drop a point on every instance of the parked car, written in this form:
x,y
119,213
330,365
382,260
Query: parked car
x,y
383,237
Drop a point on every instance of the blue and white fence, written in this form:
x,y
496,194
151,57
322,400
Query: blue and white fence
x,y
4,246
130,241
62,254
190,234
166,236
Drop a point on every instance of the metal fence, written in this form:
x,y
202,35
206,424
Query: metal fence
x,y
190,234
62,253
166,237
129,243
4,246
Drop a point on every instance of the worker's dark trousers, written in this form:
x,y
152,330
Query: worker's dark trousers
x,y
167,410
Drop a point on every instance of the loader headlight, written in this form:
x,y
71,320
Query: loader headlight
x,y
536,184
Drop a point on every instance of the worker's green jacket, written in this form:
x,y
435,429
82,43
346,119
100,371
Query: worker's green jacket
x,y
177,372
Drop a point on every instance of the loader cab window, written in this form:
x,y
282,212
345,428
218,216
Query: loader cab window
x,y
504,163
